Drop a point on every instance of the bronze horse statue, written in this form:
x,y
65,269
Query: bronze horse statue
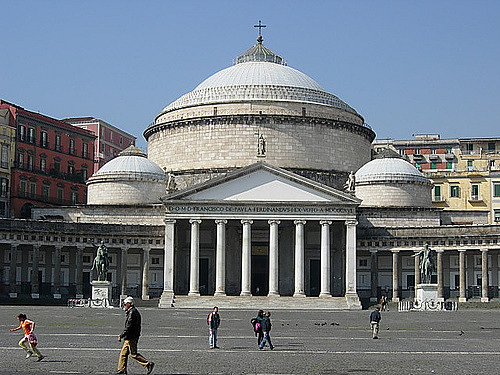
x,y
101,262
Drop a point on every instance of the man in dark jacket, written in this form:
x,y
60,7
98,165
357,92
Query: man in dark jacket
x,y
130,337
374,322
213,321
266,329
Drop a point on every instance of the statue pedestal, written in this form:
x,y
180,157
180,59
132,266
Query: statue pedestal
x,y
427,297
101,294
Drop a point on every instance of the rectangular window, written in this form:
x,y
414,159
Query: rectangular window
x,y
32,189
470,165
20,159
74,197
58,142
72,146
433,151
417,165
60,194
448,150
57,166
469,147
43,165
22,133
449,165
31,135
433,165
155,260
31,162
22,188
496,190
475,192
454,191
45,192
497,216
71,169
416,151
44,141
437,193
491,146
5,156
4,186
85,150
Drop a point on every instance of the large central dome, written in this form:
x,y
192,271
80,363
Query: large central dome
x,y
258,74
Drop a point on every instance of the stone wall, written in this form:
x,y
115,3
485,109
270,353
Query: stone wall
x,y
402,194
120,190
291,142
451,217
398,217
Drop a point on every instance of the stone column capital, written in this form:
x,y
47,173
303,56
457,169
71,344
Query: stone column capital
x,y
484,250
221,221
351,223
246,221
440,251
373,251
325,222
169,221
462,250
395,251
273,221
299,222
195,221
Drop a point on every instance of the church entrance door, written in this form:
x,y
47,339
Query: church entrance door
x,y
204,276
314,276
260,272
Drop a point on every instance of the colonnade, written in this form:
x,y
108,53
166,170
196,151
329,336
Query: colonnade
x,y
440,253
55,267
246,257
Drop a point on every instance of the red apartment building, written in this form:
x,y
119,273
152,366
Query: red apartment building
x,y
52,162
110,140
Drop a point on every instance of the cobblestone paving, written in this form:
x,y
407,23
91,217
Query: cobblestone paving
x,y
84,341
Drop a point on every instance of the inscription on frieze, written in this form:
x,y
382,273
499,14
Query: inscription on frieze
x,y
258,209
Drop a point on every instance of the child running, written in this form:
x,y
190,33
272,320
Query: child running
x,y
28,327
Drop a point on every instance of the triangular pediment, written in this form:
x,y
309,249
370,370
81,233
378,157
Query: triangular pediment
x,y
261,182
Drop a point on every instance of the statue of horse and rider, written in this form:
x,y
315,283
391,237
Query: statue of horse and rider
x,y
427,264
101,261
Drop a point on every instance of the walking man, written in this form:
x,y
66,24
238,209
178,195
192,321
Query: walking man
x,y
29,337
266,329
130,338
374,321
213,321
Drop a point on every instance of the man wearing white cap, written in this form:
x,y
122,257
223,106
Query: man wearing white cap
x,y
130,338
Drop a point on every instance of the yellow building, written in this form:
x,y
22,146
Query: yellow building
x,y
7,153
465,173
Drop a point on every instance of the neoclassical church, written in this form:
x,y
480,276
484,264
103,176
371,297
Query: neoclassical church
x,y
258,183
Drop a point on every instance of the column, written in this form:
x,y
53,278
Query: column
x,y
57,272
273,258
440,289
325,259
220,258
12,270
35,284
484,275
374,275
395,275
350,266
123,273
299,258
194,274
79,271
417,270
166,299
246,258
145,274
463,285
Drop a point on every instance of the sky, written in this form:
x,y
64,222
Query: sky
x,y
408,67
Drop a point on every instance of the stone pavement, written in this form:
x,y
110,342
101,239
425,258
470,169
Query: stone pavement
x,y
84,341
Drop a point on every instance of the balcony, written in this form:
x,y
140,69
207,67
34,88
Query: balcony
x,y
433,157
475,198
45,199
449,156
438,199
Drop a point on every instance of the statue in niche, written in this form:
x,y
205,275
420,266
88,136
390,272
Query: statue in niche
x,y
350,184
427,265
101,261
261,148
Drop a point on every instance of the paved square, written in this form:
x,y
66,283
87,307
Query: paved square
x,y
84,341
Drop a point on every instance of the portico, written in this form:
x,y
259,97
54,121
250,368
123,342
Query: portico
x,y
260,231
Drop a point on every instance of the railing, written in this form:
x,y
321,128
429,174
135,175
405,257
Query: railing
x,y
427,305
45,199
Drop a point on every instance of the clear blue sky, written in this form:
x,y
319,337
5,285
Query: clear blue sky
x,y
406,66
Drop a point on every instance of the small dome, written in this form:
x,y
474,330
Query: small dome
x,y
389,169
132,161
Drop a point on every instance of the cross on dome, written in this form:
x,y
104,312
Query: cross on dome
x,y
260,26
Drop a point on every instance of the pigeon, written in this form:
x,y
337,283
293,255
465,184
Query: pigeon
x,y
461,333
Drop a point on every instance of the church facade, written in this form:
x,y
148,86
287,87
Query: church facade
x,y
248,189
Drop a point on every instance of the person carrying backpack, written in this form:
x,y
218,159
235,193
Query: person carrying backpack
x,y
257,326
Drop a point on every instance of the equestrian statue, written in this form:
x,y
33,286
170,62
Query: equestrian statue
x,y
427,264
101,261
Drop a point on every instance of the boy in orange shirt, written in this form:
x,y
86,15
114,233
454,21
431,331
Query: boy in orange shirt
x,y
28,327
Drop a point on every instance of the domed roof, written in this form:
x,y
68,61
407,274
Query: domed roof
x,y
131,161
389,169
258,74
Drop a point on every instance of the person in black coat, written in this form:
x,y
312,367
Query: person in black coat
x,y
266,329
130,337
374,322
